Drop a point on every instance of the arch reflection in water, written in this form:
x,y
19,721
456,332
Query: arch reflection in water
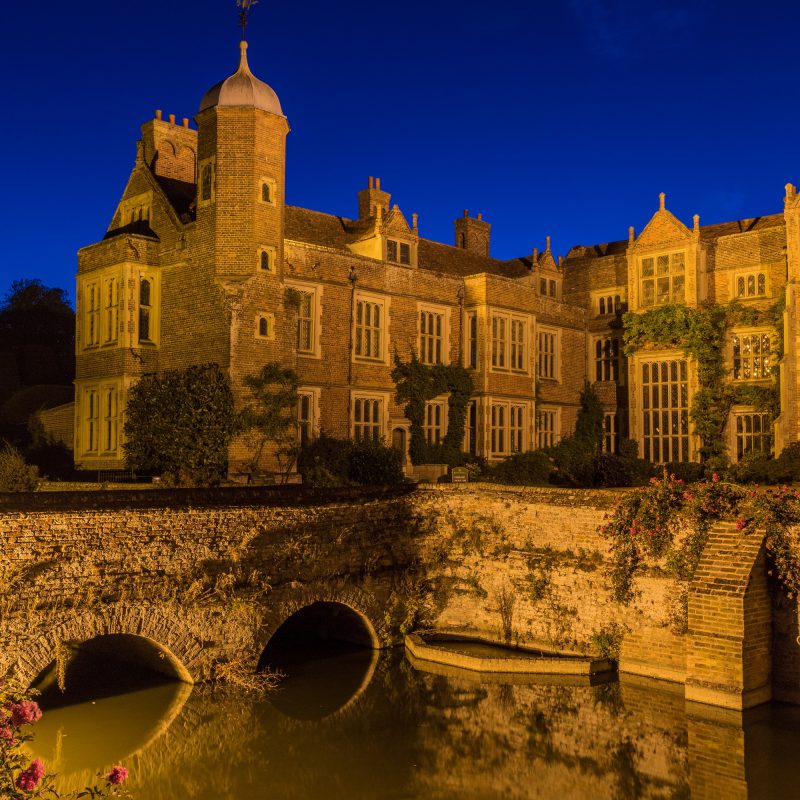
x,y
326,654
121,693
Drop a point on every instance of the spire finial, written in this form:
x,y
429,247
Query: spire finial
x,y
244,7
662,200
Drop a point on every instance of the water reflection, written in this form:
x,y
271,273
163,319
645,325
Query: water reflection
x,y
411,733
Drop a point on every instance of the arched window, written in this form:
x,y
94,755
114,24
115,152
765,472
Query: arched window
x,y
266,194
762,283
740,287
602,305
617,303
264,260
751,285
263,327
462,243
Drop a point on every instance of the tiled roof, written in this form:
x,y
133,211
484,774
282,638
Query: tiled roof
x,y
141,228
327,230
741,226
707,232
180,194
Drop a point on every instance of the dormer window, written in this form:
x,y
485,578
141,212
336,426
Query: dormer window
x,y
662,279
398,252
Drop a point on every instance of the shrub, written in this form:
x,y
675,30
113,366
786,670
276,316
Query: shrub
x,y
375,464
327,461
15,474
687,471
759,468
522,469
180,424
610,470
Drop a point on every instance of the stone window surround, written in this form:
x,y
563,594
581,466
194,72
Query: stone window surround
x,y
746,273
384,302
510,318
155,305
272,257
505,405
740,332
273,188
556,376
316,290
547,438
654,256
365,394
313,393
610,293
444,311
212,162
99,389
270,320
742,411
442,403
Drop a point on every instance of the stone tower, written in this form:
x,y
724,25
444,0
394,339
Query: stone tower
x,y
241,176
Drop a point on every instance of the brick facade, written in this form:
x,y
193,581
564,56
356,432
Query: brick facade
x,y
202,247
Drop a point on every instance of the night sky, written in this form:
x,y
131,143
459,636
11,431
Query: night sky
x,y
565,117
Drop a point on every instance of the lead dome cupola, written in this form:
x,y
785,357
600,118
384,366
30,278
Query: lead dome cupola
x,y
242,89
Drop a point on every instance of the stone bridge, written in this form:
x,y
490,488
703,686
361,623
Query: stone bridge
x,y
196,583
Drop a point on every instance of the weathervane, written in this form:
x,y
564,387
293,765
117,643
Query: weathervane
x,y
244,9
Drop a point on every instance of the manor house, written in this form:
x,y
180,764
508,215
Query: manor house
x,y
201,251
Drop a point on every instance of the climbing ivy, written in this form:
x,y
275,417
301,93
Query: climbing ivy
x,y
701,333
416,383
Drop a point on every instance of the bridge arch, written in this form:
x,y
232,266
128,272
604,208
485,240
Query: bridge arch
x,y
174,649
359,608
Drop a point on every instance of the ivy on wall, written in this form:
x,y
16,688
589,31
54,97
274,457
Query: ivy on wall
x,y
701,334
415,384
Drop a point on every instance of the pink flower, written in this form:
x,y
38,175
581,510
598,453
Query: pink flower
x,y
715,478
25,713
688,496
740,523
117,775
29,779
7,734
653,480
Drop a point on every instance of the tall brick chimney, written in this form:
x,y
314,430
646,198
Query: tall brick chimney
x,y
372,198
473,234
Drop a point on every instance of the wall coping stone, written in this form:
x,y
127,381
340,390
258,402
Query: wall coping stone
x,y
213,497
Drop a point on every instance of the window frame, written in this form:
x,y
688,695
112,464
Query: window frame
x,y
312,394
548,436
505,436
269,318
383,415
210,162
436,429
383,303
511,343
265,180
741,333
655,277
767,431
545,330
443,338
605,364
316,292
745,274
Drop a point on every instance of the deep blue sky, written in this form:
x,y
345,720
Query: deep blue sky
x,y
564,117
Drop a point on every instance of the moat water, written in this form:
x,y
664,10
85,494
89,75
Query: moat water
x,y
359,725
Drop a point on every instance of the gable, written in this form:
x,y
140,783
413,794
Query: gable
x,y
664,228
395,222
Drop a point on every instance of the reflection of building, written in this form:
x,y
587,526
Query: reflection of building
x,y
202,249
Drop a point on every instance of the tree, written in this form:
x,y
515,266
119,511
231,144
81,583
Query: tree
x,y
180,424
270,417
590,425
38,325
